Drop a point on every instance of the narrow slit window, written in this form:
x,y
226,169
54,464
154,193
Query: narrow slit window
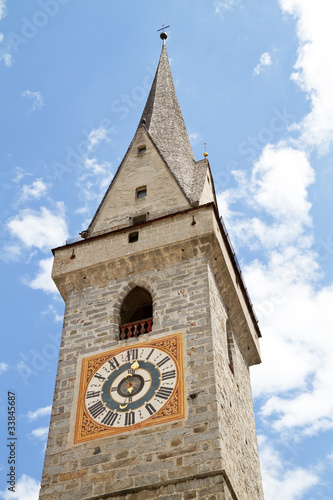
x,y
133,237
141,192
231,347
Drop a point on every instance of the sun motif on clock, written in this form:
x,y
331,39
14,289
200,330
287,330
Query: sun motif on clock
x,y
130,388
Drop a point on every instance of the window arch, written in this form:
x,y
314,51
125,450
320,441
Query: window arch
x,y
136,314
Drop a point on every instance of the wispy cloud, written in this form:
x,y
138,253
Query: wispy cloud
x,y
313,70
97,136
264,61
36,98
285,291
35,190
27,488
40,433
3,367
52,310
5,56
269,212
280,479
40,412
194,137
3,9
226,5
95,175
11,253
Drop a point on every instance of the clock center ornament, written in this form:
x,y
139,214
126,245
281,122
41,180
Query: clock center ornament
x,y
131,387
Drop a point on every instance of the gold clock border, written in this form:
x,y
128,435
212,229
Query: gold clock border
x,y
87,429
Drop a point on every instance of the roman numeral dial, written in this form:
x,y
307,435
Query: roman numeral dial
x,y
131,387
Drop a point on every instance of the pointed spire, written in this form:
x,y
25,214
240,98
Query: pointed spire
x,y
163,119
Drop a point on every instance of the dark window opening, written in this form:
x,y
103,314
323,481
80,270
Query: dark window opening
x,y
139,218
141,192
136,316
141,149
133,237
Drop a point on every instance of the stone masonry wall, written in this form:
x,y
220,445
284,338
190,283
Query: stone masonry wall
x,y
158,454
235,409
211,487
147,169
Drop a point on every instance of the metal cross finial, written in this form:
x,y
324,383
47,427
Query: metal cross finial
x,y
164,27
163,35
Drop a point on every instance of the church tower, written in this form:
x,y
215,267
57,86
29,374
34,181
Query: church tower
x,y
153,397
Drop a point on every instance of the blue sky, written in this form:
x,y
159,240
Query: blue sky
x,y
254,81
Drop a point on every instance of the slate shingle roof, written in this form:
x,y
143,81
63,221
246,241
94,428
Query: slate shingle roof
x,y
163,119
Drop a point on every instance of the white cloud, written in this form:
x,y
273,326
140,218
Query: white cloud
x,y
27,488
94,167
41,412
11,253
95,175
294,312
97,136
43,280
36,98
226,5
6,58
52,310
264,61
3,8
281,178
40,433
313,69
19,174
42,230
277,187
194,137
3,367
35,190
280,480
93,182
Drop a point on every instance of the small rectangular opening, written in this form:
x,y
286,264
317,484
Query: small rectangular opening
x,y
139,218
133,237
141,192
141,149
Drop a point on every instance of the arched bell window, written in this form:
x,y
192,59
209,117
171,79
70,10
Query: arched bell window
x,y
136,315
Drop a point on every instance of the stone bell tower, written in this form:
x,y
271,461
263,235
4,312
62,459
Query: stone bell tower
x,y
153,396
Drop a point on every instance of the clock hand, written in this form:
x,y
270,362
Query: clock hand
x,y
135,366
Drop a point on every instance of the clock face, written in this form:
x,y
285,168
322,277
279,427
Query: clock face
x,y
131,387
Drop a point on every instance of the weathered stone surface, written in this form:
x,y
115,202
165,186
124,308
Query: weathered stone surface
x,y
213,435
183,259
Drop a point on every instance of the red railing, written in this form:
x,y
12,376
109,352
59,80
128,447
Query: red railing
x,y
135,329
